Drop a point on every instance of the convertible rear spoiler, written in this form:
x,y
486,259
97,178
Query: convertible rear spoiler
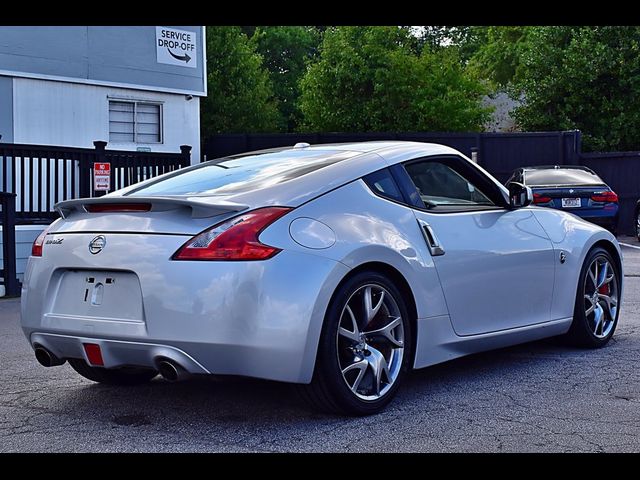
x,y
199,208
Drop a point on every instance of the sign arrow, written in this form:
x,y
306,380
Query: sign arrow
x,y
185,58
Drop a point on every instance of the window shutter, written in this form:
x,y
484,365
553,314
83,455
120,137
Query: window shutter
x,y
148,123
121,122
135,122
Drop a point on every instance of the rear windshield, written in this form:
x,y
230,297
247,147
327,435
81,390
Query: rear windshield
x,y
561,176
238,175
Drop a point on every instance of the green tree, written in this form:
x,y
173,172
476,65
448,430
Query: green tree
x,y
586,78
497,57
286,51
370,79
466,39
240,94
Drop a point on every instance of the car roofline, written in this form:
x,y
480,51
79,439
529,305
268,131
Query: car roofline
x,y
557,167
374,146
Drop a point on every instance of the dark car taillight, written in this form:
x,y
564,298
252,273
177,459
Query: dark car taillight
x,y
606,197
537,198
234,239
36,248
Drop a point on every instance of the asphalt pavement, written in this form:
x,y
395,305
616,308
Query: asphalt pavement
x,y
538,397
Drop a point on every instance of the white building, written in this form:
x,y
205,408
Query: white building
x,y
135,87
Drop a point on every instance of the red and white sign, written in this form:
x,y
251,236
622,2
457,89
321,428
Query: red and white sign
x,y
101,177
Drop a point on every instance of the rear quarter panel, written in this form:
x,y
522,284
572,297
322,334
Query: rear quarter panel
x,y
368,228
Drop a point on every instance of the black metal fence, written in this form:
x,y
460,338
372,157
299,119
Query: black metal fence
x,y
8,273
42,175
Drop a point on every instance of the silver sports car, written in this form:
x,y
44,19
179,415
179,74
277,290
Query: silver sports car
x,y
336,267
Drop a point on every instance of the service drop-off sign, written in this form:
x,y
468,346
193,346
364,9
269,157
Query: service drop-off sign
x,y
101,177
176,47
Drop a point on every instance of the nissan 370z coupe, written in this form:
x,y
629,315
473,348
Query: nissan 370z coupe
x,y
336,267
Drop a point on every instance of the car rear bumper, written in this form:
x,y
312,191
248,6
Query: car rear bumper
x,y
261,319
117,353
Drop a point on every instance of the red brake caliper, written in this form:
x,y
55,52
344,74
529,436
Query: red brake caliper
x,y
604,289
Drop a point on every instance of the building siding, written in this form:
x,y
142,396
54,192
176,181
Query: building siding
x,y
6,109
60,113
25,235
120,54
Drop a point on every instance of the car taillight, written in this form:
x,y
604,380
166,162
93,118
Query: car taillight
x,y
606,197
36,248
234,239
537,198
117,207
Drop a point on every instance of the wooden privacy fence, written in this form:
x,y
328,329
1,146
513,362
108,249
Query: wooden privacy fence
x,y
621,171
499,153
42,175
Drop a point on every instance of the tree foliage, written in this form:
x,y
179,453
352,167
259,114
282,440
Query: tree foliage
x,y
586,78
286,50
466,39
240,94
370,79
497,56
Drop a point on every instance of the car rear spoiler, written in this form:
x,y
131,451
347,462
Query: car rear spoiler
x,y
199,208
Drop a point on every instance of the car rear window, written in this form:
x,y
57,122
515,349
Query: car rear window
x,y
236,175
561,176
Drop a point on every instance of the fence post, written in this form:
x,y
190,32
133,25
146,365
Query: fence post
x,y
9,245
474,154
573,148
561,157
99,145
185,155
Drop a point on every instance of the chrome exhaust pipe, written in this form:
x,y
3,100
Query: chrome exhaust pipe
x,y
171,371
46,358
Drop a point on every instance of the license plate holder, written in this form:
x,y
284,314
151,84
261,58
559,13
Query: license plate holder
x,y
570,202
99,294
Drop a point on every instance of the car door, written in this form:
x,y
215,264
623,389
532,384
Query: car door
x,y
496,265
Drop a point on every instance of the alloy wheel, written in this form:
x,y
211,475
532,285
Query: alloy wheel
x,y
370,341
601,296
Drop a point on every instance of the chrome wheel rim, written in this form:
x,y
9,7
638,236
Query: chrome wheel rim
x,y
601,297
638,225
370,342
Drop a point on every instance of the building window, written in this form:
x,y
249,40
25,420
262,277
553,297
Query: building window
x,y
135,122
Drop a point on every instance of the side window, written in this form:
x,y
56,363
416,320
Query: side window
x,y
440,184
383,184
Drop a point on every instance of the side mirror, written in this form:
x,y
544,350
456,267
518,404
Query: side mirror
x,y
519,195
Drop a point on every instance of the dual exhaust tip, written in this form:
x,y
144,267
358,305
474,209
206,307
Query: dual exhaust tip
x,y
168,369
171,371
46,358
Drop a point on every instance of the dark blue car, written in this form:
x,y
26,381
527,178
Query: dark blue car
x,y
575,189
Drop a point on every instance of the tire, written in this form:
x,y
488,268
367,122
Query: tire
x,y
125,376
593,302
637,217
365,387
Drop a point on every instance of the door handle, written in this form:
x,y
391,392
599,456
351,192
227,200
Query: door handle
x,y
435,248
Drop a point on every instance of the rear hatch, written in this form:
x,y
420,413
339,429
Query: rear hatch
x,y
105,263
